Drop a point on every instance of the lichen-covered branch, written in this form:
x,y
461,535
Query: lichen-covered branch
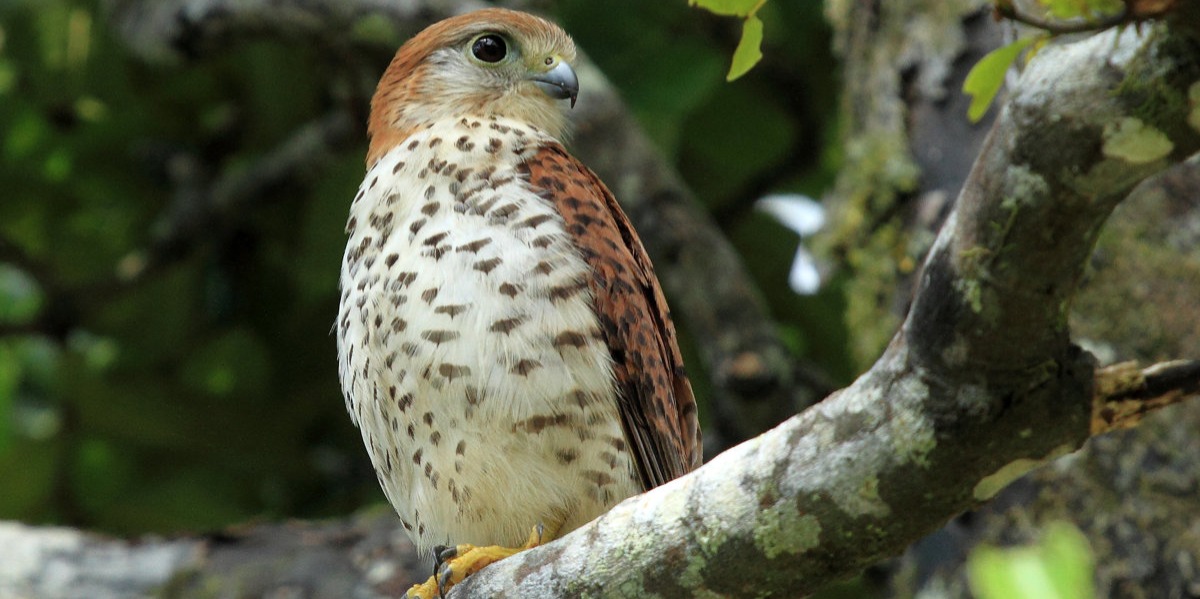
x,y
1130,492
980,386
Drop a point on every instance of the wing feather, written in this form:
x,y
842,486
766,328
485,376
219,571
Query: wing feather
x,y
655,400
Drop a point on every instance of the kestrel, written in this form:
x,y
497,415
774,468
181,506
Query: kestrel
x,y
503,344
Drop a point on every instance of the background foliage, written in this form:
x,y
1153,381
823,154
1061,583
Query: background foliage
x,y
186,388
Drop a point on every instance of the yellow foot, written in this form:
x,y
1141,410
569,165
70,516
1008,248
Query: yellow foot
x,y
453,564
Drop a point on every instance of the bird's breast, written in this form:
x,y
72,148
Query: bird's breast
x,y
470,351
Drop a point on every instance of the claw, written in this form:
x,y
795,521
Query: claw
x,y
437,558
444,582
452,564
445,553
442,571
535,535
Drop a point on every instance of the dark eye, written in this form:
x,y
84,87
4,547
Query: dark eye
x,y
489,48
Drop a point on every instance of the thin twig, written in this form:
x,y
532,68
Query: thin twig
x,y
1126,393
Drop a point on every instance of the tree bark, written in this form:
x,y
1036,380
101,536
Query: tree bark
x,y
1136,302
1132,492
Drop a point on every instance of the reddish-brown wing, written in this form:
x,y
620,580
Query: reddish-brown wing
x,y
656,404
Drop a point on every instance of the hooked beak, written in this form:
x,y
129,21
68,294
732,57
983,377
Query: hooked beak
x,y
559,83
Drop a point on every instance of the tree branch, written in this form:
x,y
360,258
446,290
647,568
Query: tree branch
x,y
1125,393
979,387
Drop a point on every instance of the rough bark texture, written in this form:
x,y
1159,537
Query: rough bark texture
x,y
1131,492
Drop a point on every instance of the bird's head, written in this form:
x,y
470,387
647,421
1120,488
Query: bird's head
x,y
490,62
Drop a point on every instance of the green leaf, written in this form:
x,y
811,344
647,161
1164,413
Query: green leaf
x,y
1065,9
1058,567
728,8
748,51
1082,9
1068,557
987,76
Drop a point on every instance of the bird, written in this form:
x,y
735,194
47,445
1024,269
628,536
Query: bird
x,y
504,346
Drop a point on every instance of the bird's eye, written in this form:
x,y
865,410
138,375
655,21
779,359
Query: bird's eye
x,y
489,48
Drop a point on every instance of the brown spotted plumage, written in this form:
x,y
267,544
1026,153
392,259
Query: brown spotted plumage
x,y
655,398
503,344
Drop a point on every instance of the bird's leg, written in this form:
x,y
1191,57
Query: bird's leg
x,y
453,564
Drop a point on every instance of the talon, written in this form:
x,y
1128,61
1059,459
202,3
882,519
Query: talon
x,y
443,553
453,563
437,558
536,537
444,582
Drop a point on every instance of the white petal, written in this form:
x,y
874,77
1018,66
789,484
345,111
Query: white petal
x,y
804,277
797,212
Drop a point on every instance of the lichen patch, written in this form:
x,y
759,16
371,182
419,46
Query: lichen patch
x,y
781,529
912,426
1135,142
990,485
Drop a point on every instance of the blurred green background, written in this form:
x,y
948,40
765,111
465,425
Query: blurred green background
x,y
190,386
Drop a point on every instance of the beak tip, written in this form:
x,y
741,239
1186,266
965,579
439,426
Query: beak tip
x,y
559,83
